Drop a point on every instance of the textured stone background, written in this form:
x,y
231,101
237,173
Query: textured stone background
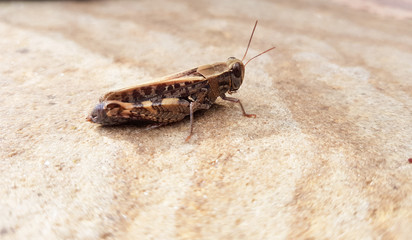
x,y
327,156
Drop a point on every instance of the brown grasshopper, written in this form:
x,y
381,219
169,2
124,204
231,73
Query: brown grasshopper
x,y
172,98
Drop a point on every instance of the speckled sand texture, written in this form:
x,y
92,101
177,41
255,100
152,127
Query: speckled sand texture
x,y
326,157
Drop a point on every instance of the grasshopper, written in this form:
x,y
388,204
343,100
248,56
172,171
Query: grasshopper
x,y
172,98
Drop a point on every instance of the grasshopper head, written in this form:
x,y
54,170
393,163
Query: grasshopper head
x,y
237,68
237,72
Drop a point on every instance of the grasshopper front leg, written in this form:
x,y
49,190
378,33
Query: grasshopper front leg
x,y
236,100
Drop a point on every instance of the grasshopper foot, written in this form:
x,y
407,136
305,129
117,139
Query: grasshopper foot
x,y
250,115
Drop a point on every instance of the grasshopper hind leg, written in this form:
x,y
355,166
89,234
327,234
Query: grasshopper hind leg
x,y
198,103
191,122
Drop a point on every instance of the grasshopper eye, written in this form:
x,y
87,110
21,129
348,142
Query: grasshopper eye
x,y
236,77
236,70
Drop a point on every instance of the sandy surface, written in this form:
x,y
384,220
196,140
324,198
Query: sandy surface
x,y
326,157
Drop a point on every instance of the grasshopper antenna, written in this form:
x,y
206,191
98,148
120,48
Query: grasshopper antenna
x,y
250,40
259,55
248,45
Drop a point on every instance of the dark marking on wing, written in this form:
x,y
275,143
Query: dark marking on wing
x,y
136,95
147,90
164,86
125,97
160,89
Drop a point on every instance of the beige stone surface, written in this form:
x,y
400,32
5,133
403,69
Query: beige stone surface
x,y
326,158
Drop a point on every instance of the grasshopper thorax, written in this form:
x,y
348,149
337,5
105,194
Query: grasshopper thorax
x,y
236,72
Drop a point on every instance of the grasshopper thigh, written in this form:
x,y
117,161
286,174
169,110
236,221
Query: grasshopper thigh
x,y
165,111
